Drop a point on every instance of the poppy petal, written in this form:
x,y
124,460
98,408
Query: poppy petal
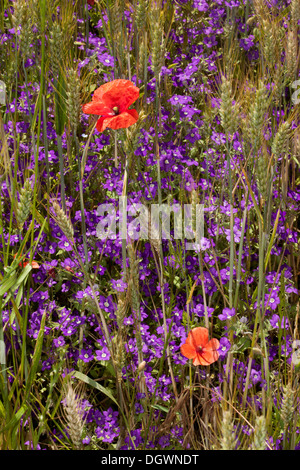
x,y
209,353
97,107
213,344
101,125
199,336
133,113
99,92
121,121
208,357
120,93
201,360
113,85
35,265
198,361
188,351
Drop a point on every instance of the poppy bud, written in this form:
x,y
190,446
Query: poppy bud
x,y
142,366
51,273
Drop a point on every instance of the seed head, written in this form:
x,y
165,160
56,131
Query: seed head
x,y
228,439
74,416
288,407
295,13
157,49
281,138
24,205
257,116
73,99
63,221
56,49
291,56
141,14
260,434
227,111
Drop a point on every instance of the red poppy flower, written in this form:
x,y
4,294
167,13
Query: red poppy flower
x,y
111,101
91,2
34,264
199,348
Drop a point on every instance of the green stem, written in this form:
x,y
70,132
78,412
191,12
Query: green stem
x,y
46,153
229,362
258,317
124,233
238,275
231,259
83,223
61,171
86,27
3,381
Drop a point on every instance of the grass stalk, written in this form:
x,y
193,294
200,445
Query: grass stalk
x,y
61,171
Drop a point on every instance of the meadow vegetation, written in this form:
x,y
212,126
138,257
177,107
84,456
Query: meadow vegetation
x,y
100,346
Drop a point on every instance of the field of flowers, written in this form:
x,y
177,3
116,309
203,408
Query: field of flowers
x,y
149,220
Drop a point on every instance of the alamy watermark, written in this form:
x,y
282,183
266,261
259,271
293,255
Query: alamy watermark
x,y
140,222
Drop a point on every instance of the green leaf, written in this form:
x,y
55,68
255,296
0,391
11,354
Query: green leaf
x,y
2,410
272,239
16,418
36,356
243,344
7,283
160,408
23,276
172,65
94,384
